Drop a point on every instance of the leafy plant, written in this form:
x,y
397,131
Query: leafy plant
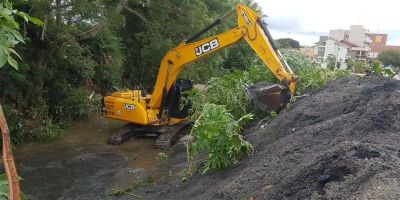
x,y
46,132
377,68
341,73
229,90
356,66
4,189
9,35
311,75
16,125
218,133
331,62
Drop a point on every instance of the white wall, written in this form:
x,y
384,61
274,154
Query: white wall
x,y
358,35
337,34
339,51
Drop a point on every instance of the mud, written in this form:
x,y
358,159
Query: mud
x,y
341,142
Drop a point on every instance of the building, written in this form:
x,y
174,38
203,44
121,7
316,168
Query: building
x,y
308,52
355,43
392,47
379,44
328,47
357,35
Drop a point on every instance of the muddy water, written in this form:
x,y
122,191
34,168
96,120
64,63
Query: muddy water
x,y
80,165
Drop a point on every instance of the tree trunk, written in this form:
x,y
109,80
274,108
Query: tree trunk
x,y
38,73
58,12
8,160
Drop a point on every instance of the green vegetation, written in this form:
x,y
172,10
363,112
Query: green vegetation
x,y
218,133
4,189
390,57
287,43
10,36
311,75
356,66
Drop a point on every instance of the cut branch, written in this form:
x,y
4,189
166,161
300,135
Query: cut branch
x,y
92,32
141,17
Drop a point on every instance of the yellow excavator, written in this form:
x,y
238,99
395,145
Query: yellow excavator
x,y
160,114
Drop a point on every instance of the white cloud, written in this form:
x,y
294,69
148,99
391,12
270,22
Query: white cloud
x,y
305,20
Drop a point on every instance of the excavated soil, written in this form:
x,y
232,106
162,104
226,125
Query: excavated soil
x,y
341,142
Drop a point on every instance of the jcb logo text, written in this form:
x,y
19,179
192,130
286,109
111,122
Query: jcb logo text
x,y
206,47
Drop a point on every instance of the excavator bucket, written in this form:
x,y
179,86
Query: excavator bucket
x,y
269,97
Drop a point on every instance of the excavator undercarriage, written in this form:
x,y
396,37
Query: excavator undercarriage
x,y
166,135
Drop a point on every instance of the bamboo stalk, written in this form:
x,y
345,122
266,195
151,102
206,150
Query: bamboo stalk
x,y
8,160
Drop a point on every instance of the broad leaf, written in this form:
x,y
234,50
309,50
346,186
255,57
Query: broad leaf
x,y
36,21
3,56
12,62
18,36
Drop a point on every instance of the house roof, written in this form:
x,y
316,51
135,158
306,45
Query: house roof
x,y
348,44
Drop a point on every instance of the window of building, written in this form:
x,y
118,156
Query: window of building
x,y
378,39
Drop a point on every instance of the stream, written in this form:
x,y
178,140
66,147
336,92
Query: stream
x,y
80,165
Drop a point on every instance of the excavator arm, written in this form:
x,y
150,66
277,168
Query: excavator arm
x,y
251,28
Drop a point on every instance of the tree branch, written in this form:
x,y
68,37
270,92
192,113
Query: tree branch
x,y
141,17
99,26
8,160
92,32
46,19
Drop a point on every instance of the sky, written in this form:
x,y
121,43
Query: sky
x,y
306,20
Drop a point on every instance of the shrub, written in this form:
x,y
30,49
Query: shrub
x,y
311,75
15,124
356,66
229,90
46,132
218,133
67,103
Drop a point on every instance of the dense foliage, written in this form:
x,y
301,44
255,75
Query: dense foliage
x,y
390,57
287,43
10,36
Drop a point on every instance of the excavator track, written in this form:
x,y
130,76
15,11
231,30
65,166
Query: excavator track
x,y
122,134
169,134
166,134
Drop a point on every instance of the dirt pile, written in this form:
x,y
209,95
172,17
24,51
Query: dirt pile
x,y
342,142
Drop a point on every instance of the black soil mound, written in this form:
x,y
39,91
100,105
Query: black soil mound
x,y
342,142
